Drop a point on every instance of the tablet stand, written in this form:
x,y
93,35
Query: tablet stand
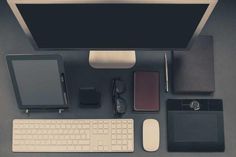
x,y
60,111
27,111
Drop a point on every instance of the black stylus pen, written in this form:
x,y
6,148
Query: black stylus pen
x,y
166,74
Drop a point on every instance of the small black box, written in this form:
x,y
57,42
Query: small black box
x,y
89,98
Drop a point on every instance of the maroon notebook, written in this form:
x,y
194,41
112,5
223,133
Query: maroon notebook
x,y
146,91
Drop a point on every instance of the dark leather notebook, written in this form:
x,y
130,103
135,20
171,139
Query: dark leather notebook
x,y
195,125
193,70
146,91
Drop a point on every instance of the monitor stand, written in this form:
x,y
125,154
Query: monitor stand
x,y
112,59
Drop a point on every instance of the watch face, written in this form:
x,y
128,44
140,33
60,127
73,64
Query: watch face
x,y
195,105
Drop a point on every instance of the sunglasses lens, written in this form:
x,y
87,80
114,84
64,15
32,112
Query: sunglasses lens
x,y
120,86
120,106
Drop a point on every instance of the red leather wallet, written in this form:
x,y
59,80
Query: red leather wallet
x,y
146,91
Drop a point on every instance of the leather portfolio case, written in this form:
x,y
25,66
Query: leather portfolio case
x,y
193,70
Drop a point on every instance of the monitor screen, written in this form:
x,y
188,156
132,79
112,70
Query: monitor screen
x,y
99,26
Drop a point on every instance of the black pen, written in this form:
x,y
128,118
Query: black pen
x,y
166,74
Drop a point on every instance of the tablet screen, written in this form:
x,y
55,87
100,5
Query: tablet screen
x,y
38,82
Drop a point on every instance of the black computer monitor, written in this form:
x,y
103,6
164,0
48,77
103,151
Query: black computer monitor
x,y
147,24
112,24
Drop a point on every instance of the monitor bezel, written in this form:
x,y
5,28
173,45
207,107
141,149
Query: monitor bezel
x,y
210,8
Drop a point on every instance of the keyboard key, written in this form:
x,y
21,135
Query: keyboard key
x,y
116,148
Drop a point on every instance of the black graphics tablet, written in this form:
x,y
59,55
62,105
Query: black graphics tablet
x,y
38,81
195,125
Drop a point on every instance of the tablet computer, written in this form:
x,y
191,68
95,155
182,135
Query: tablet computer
x,y
38,81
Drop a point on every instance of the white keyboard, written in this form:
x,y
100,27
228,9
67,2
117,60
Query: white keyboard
x,y
73,135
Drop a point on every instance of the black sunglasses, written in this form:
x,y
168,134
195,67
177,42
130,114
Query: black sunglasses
x,y
119,103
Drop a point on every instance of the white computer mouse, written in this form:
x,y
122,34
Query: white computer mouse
x,y
151,135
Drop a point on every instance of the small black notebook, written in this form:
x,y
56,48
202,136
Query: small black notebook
x,y
193,70
195,125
